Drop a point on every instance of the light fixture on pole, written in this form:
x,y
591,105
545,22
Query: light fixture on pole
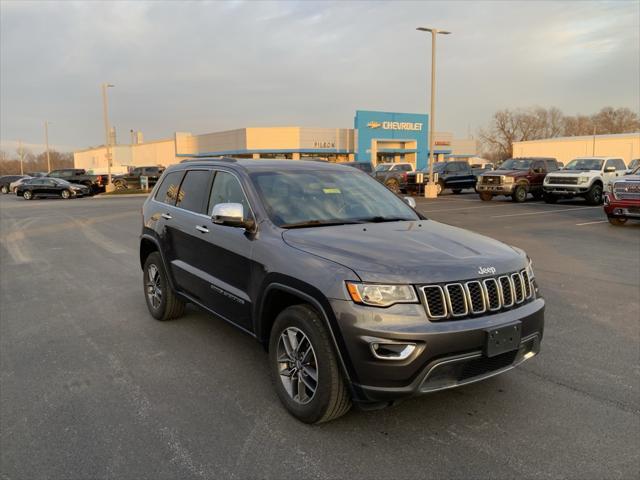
x,y
431,190
105,112
46,142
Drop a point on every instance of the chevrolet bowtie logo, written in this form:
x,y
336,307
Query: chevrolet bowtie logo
x,y
374,125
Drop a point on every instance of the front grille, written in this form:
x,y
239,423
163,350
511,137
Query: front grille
x,y
475,297
563,180
626,190
491,179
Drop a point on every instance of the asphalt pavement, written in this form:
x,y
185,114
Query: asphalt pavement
x,y
91,386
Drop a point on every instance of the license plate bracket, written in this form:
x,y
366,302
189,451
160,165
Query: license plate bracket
x,y
503,339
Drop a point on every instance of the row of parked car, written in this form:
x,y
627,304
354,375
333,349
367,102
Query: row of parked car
x,y
74,182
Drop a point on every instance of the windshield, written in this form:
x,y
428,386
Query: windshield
x,y
312,198
515,164
584,164
384,167
437,167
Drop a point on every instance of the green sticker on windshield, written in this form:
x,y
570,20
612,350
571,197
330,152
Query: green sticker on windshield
x,y
331,190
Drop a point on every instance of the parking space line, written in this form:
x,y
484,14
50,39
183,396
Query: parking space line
x,y
591,223
542,213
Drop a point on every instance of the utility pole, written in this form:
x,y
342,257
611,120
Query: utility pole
x,y
46,141
21,154
107,133
593,147
431,190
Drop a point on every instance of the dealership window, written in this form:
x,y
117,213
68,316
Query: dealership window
x,y
168,190
193,190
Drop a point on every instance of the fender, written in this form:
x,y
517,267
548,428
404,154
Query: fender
x,y
313,296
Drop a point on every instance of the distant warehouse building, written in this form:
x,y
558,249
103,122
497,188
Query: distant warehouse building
x,y
376,137
565,149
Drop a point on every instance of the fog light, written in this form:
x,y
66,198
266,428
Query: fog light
x,y
392,351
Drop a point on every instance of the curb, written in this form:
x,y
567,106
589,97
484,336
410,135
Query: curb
x,y
120,195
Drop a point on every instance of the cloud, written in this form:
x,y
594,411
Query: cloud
x,y
206,66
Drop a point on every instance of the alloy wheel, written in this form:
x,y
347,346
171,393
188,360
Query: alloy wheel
x,y
154,288
297,365
27,195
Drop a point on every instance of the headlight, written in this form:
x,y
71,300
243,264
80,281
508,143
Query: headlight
x,y
381,295
582,180
506,179
547,179
530,268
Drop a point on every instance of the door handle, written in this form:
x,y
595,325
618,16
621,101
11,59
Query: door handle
x,y
202,229
167,216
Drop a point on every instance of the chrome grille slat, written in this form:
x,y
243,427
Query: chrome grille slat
x,y
476,296
455,301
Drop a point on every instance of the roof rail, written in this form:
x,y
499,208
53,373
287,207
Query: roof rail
x,y
209,158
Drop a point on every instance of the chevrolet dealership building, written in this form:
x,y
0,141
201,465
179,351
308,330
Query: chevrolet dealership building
x,y
376,137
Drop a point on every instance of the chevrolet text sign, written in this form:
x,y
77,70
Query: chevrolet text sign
x,y
382,126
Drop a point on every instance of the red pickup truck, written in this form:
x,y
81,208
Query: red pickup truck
x,y
622,200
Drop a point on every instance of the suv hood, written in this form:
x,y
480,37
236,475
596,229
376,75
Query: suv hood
x,y
507,173
407,252
576,173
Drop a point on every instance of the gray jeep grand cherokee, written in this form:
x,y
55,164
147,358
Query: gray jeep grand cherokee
x,y
356,296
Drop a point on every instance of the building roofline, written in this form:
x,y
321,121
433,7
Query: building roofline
x,y
582,137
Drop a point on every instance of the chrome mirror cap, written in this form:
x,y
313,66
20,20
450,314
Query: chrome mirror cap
x,y
410,201
231,214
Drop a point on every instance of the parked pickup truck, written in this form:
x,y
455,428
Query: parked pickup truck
x,y
584,177
622,199
392,175
516,178
132,179
455,175
96,183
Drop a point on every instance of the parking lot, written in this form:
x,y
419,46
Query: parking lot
x,y
92,387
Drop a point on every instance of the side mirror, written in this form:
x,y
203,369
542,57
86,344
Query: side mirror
x,y
231,215
410,201
609,169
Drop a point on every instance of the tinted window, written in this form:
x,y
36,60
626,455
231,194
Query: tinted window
x,y
538,166
453,167
168,190
552,165
405,168
227,189
194,190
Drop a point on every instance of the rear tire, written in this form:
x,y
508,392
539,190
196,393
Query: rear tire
x,y
330,399
393,185
486,196
439,187
162,302
519,194
617,221
27,195
4,189
66,194
549,198
594,196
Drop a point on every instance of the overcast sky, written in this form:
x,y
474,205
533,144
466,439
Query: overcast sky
x,y
203,67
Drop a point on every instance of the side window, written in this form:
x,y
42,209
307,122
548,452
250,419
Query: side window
x,y
168,190
226,189
552,166
405,168
136,172
538,166
452,168
619,164
610,163
194,190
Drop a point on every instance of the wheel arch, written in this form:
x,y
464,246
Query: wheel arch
x,y
278,295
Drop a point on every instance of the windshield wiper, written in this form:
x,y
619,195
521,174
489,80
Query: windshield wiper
x,y
319,223
380,219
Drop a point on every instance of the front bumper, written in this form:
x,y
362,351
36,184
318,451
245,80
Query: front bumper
x,y
570,190
621,208
501,189
447,353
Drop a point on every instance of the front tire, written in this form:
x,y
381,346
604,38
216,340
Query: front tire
x,y
27,195
304,367
617,221
594,196
393,185
66,194
162,302
4,189
486,196
439,187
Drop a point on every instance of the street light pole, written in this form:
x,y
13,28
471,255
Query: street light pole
x,y
431,190
46,141
21,153
105,112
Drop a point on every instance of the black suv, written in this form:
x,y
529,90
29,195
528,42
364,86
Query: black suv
x,y
356,296
455,175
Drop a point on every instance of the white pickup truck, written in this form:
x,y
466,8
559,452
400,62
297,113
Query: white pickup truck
x,y
584,177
